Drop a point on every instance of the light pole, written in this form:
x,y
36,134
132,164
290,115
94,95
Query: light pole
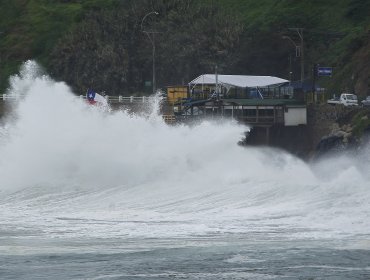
x,y
153,45
1,32
299,49
290,69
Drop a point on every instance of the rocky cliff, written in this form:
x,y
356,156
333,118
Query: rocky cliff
x,y
339,129
330,129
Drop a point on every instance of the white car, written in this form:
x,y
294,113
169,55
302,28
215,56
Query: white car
x,y
366,102
345,99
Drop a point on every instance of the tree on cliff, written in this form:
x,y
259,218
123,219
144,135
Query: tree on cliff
x,y
109,51
100,42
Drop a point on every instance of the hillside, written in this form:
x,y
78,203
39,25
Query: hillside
x,y
30,29
101,44
336,34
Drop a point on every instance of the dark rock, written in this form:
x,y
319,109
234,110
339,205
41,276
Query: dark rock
x,y
330,144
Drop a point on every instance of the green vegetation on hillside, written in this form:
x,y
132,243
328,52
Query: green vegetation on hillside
x,y
100,42
361,122
29,29
336,33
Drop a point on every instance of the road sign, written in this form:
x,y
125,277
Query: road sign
x,y
324,71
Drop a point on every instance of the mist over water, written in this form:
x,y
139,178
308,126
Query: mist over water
x,y
71,171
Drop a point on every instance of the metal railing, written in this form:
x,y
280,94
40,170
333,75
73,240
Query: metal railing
x,y
9,97
170,119
110,99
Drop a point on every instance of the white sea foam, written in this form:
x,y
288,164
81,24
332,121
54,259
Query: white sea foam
x,y
67,165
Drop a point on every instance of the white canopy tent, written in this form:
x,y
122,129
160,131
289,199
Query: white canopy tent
x,y
241,81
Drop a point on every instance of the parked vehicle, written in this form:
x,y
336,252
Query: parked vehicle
x,y
346,99
366,102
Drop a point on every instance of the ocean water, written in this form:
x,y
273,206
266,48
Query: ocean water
x,y
91,193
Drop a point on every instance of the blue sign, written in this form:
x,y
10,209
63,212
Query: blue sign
x,y
324,71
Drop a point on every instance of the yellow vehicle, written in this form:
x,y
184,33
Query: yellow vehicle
x,y
177,93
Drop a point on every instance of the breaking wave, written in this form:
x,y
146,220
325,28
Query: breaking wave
x,y
62,160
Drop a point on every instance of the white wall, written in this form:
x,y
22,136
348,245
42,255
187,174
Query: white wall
x,y
295,116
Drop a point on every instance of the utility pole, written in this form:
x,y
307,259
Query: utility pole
x,y
314,75
300,33
153,46
216,89
290,69
1,32
299,49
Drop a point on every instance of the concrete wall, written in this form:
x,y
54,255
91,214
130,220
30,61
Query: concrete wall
x,y
303,140
322,119
294,139
4,108
295,116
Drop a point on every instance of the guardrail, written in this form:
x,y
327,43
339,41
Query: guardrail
x,y
9,97
170,119
110,99
127,99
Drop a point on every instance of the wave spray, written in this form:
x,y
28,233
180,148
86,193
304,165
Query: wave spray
x,y
62,160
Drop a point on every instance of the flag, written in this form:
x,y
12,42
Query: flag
x,y
95,98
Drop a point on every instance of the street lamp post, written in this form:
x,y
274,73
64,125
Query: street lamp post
x,y
290,69
153,45
299,49
300,33
1,32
